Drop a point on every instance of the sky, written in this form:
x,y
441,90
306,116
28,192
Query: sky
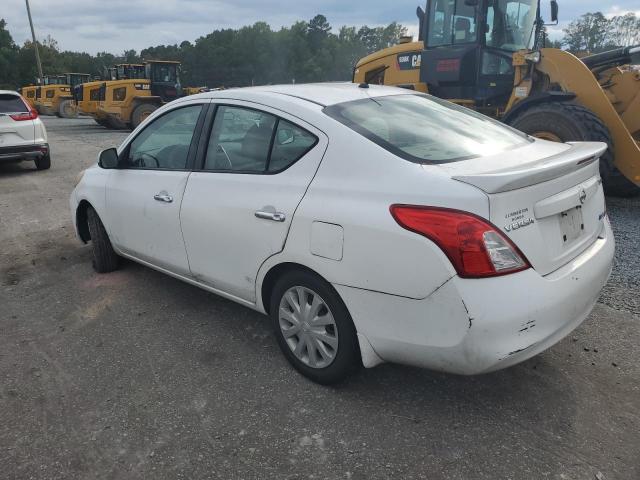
x,y
116,25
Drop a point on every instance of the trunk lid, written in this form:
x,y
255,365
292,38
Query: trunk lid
x,y
548,199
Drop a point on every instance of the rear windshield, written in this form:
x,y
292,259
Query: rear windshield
x,y
11,104
423,129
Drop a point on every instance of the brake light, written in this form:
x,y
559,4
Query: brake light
x,y
32,114
475,247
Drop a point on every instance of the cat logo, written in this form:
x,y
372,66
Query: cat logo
x,y
409,61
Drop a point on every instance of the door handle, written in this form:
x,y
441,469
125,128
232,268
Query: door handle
x,y
163,197
274,216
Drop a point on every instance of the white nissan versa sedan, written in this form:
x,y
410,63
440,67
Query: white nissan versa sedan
x,y
372,224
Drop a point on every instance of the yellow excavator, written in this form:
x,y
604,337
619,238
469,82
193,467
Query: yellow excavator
x,y
490,55
55,96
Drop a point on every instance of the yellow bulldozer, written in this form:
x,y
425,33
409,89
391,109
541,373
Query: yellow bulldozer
x,y
126,102
87,96
490,55
55,96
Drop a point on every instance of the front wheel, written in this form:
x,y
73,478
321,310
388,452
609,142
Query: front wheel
x,y
105,258
67,109
313,328
570,122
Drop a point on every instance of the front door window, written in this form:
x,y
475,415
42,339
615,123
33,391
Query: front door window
x,y
164,144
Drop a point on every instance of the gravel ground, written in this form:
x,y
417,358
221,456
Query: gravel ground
x,y
136,375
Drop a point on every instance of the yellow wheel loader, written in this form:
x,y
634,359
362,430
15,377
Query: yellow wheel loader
x,y
127,102
56,95
87,96
29,94
489,55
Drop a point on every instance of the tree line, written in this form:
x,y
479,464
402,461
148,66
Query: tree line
x,y
251,55
594,33
258,55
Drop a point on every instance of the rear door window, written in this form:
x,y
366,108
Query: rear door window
x,y
246,140
290,144
12,104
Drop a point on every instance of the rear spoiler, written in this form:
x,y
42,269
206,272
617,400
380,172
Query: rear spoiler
x,y
579,155
612,58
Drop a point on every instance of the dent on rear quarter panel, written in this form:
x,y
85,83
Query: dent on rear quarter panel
x,y
355,186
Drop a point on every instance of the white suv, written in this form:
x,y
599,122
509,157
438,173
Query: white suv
x,y
22,134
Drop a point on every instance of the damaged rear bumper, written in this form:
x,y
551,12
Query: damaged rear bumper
x,y
471,326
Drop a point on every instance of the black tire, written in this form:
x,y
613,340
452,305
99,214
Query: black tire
x,y
66,109
105,259
141,112
101,122
347,356
115,124
570,123
43,163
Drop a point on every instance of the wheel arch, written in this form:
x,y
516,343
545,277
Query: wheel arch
x,y
82,225
537,99
274,273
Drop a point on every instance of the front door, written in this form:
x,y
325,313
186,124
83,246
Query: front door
x,y
143,196
236,212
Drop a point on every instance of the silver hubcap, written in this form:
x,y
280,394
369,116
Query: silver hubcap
x,y
308,327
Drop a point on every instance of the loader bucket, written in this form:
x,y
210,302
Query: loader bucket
x,y
611,92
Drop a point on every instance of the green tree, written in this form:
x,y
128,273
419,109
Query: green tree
x,y
624,30
589,33
8,54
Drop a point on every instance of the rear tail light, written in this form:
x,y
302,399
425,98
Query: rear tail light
x,y
32,114
475,247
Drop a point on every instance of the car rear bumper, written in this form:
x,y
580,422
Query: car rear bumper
x,y
471,327
24,152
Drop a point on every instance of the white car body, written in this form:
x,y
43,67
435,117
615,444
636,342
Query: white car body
x,y
407,301
22,133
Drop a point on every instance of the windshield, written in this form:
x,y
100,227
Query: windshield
x,y
423,129
166,73
511,24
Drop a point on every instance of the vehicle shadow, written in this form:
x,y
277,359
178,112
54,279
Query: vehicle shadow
x,y
11,168
197,359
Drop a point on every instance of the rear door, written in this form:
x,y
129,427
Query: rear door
x,y
16,129
236,212
144,195
548,199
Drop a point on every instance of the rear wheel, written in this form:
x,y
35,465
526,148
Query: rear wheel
x,y
569,122
43,163
313,327
105,258
67,109
141,112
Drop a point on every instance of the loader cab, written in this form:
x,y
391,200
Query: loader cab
x,y
126,71
53,80
469,47
164,77
74,79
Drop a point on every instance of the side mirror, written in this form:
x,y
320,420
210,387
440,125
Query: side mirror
x,y
554,11
108,158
